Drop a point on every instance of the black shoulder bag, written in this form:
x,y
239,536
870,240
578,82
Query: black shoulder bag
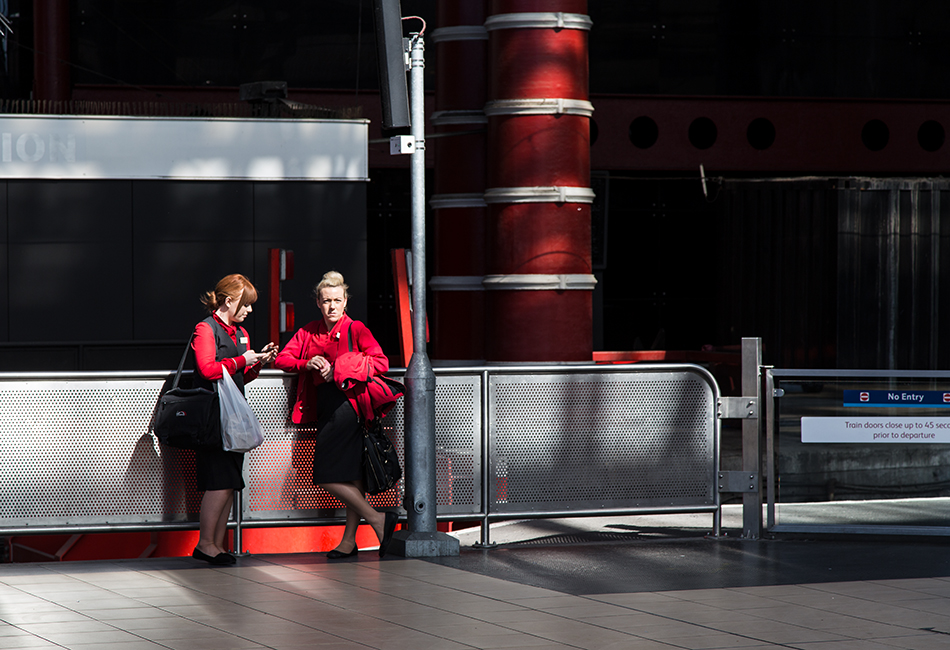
x,y
381,469
188,418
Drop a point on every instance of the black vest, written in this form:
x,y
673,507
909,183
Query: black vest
x,y
225,348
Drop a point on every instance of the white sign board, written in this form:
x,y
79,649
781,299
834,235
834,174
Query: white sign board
x,y
876,429
93,147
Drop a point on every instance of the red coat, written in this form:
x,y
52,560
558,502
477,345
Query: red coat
x,y
356,373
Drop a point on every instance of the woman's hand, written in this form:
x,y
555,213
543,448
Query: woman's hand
x,y
321,365
264,356
271,351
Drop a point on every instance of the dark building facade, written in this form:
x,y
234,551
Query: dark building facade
x,y
760,168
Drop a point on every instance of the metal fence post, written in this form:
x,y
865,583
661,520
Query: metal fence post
x,y
237,510
751,436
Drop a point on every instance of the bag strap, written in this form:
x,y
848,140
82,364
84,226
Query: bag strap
x,y
349,336
181,364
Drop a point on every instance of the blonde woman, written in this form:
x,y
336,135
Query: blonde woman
x,y
335,357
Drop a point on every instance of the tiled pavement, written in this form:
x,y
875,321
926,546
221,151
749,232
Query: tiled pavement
x,y
621,586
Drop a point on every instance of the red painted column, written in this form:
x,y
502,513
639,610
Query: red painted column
x,y
51,53
539,280
458,313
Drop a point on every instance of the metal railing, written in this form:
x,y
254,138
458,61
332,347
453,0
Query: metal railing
x,y
76,454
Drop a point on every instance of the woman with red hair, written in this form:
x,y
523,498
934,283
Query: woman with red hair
x,y
219,344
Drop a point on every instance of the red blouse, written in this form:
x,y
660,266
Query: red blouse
x,y
205,348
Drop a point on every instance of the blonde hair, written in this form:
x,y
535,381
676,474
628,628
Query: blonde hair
x,y
230,286
331,279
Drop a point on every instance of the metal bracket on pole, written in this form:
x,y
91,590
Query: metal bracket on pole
x,y
742,408
738,482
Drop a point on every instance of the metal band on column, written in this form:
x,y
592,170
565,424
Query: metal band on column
x,y
541,106
540,282
539,20
539,195
459,33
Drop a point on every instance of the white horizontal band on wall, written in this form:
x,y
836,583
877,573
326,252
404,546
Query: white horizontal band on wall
x,y
456,283
540,282
441,201
540,106
538,20
103,147
442,118
515,282
539,195
459,33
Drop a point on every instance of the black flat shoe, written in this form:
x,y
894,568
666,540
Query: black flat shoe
x,y
339,555
389,527
221,559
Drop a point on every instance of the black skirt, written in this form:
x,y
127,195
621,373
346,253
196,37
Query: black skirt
x,y
219,470
338,451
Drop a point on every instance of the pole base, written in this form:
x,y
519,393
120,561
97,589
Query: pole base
x,y
409,544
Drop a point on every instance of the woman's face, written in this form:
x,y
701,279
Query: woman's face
x,y
332,304
235,312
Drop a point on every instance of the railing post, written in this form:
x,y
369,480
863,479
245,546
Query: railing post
x,y
237,509
486,491
768,413
751,437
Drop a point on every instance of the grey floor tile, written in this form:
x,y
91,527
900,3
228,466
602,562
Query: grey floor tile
x,y
29,642
91,637
712,641
116,616
60,615
21,599
213,643
505,616
849,644
121,645
928,642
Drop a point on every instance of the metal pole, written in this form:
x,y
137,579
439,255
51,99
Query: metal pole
x,y
770,419
420,379
423,538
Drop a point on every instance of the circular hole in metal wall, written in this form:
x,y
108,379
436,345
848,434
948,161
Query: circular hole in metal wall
x,y
703,133
643,132
931,135
875,135
761,133
594,132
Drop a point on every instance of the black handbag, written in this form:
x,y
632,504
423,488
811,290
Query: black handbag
x,y
188,418
381,470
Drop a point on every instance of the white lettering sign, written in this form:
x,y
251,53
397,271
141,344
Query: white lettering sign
x,y
876,429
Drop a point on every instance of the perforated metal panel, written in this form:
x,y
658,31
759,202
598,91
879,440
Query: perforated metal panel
x,y
458,444
79,452
597,441
279,472
279,484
